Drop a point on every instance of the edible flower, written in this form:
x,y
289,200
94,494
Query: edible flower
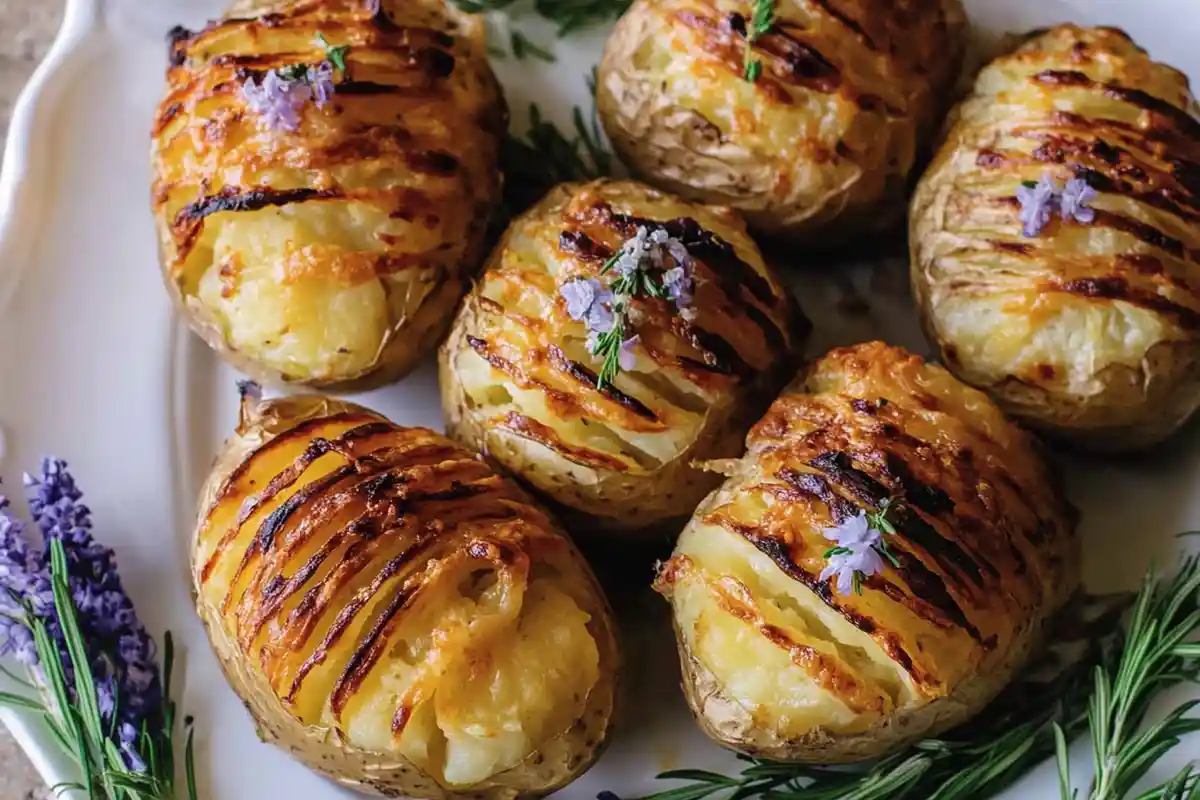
x,y
320,78
854,555
65,616
1072,203
859,547
589,302
282,93
107,617
277,100
1039,200
651,263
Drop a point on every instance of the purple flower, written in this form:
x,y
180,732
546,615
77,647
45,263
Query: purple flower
x,y
633,253
580,295
277,100
127,737
855,553
1038,203
627,358
320,78
23,577
657,247
121,652
589,302
600,317
679,286
1072,202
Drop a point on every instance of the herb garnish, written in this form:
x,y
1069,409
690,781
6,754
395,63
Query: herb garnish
x,y
335,55
642,269
569,15
860,547
760,22
1160,651
522,46
1039,200
545,157
1033,719
94,677
282,93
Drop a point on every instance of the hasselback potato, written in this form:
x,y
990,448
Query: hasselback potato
x,y
520,379
800,638
820,145
323,178
1082,320
396,614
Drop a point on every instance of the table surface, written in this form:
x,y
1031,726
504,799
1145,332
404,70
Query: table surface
x,y
28,26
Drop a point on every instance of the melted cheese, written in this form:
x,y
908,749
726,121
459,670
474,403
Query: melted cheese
x,y
1088,330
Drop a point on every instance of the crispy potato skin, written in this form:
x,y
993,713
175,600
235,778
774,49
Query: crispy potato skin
x,y
1087,332
777,663
819,148
335,254
519,384
396,614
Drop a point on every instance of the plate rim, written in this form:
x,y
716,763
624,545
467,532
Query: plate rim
x,y
20,199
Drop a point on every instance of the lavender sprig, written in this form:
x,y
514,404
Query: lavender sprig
x,y
23,578
69,620
106,615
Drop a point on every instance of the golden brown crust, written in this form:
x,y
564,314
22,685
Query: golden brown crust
x,y
1091,332
985,544
519,384
322,531
821,144
390,185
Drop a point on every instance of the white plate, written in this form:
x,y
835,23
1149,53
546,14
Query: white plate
x,y
93,368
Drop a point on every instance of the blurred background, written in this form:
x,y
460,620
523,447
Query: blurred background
x,y
28,27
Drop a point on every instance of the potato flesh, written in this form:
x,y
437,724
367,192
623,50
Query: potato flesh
x,y
301,324
1086,339
486,666
527,680
759,674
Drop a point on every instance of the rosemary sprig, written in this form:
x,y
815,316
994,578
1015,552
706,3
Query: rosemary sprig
x,y
879,521
608,347
568,15
1160,652
760,22
1106,690
545,157
522,46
